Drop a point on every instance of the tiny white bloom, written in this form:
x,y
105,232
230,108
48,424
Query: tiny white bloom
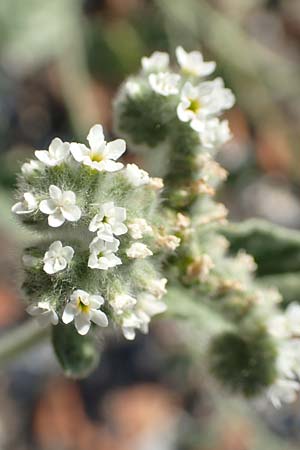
x,y
101,155
146,307
213,133
102,254
286,324
57,257
57,154
29,168
136,176
138,228
44,313
138,250
129,323
84,308
157,62
283,391
192,63
27,206
132,87
122,303
157,287
204,100
60,207
164,83
109,221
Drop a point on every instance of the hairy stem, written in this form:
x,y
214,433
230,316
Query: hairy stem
x,y
19,339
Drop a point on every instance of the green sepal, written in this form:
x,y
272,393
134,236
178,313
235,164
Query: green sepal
x,y
78,355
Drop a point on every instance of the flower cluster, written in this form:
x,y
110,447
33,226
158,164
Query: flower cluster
x,y
171,114
185,94
285,328
98,229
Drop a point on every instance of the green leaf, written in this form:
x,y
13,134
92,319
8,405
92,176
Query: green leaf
x,y
276,251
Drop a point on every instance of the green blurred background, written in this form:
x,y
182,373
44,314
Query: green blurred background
x,y
61,62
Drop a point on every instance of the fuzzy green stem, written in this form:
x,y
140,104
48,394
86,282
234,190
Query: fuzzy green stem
x,y
19,339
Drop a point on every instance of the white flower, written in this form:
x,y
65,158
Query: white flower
x,y
29,168
146,307
286,324
164,83
204,100
101,155
44,313
129,323
122,303
136,176
213,133
83,308
283,391
192,63
57,257
138,228
57,154
60,207
27,206
109,221
157,62
138,250
157,287
103,254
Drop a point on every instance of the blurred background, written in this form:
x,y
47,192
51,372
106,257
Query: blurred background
x,y
61,62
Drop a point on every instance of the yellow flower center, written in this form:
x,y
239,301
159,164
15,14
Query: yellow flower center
x,y
96,157
84,308
195,105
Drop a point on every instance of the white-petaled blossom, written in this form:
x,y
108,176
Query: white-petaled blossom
x,y
57,257
101,155
121,303
213,132
27,206
109,221
158,287
164,83
102,254
61,206
283,391
129,323
286,324
204,100
31,167
192,63
146,307
157,62
138,250
139,228
84,308
44,313
136,176
57,154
